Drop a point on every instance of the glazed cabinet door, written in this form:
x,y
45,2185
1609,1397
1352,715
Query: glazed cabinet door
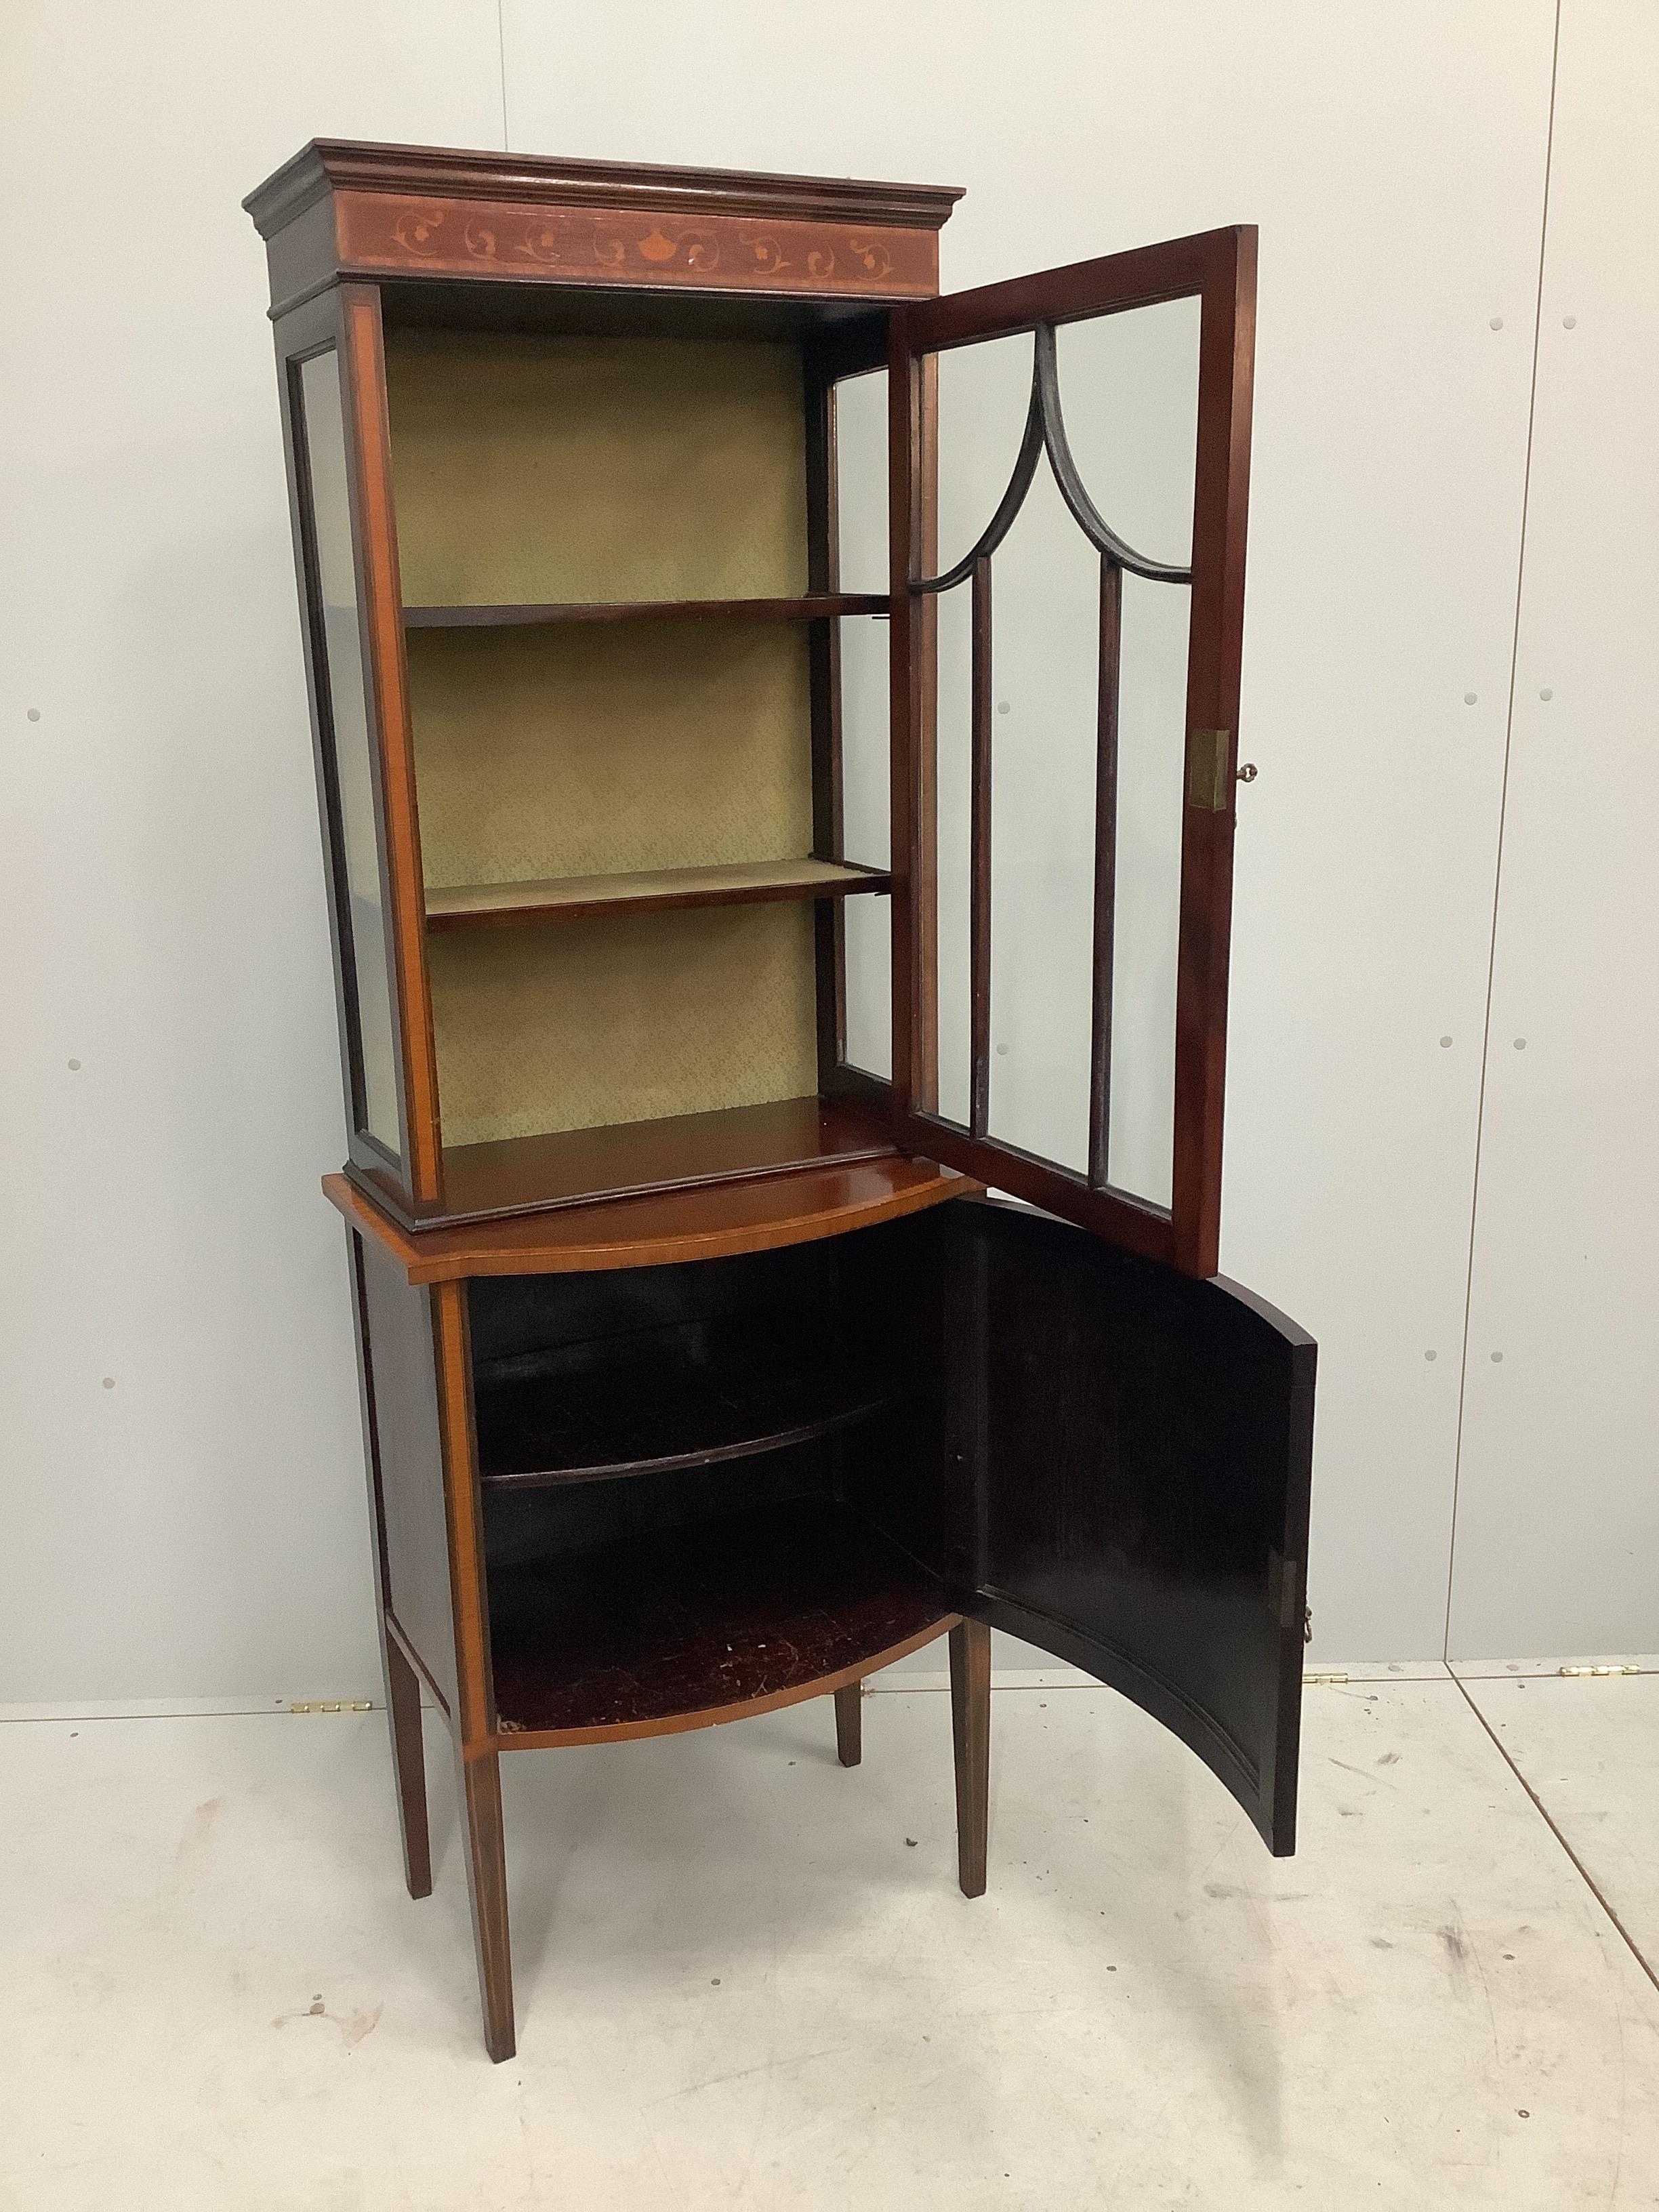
x,y
1141,1445
1070,458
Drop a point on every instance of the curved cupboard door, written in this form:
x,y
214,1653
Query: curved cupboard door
x,y
1143,1445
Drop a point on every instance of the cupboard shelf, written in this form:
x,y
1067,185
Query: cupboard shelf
x,y
741,1609
566,898
814,607
680,1403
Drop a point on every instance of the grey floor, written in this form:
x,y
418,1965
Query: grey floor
x,y
746,1977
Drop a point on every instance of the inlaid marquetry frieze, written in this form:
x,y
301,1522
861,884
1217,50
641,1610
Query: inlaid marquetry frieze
x,y
379,231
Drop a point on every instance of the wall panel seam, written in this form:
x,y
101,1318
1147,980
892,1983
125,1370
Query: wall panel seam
x,y
1497,856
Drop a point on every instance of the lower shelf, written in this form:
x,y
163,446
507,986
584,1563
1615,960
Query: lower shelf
x,y
751,1391
672,1626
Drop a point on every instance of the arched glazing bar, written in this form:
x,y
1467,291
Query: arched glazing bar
x,y
1045,432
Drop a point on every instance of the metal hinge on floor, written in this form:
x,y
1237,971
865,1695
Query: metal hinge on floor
x,y
332,1705
1599,1670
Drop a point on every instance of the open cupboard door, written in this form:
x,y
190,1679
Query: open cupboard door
x,y
1065,646
1141,1446
1066,626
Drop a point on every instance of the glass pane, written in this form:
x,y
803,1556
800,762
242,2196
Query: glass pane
x,y
869,943
1045,593
1127,385
1146,910
343,682
861,481
865,813
984,392
953,801
866,770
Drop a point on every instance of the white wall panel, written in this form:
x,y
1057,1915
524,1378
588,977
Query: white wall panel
x,y
1394,160
1557,1521
201,1526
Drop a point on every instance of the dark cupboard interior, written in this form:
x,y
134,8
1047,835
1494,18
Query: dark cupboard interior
x,y
732,1475
727,1477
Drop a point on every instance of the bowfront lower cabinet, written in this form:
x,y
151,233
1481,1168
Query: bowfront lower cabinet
x,y
775,731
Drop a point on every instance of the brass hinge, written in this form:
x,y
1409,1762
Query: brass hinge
x,y
332,1705
1285,1594
1208,784
1599,1670
1325,1678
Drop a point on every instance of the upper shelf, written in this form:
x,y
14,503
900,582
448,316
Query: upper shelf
x,y
485,906
816,607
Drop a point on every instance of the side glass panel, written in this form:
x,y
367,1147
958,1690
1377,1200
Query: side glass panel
x,y
341,686
861,509
867,838
861,559
1066,483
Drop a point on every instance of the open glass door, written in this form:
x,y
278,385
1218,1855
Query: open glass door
x,y
1065,646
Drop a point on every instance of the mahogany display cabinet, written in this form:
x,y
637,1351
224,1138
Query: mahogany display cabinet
x,y
776,730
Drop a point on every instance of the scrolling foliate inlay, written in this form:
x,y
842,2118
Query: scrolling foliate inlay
x,y
497,238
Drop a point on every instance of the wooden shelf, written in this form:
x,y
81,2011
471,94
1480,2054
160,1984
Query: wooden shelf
x,y
711,1221
694,1624
626,1159
679,1400
575,898
814,607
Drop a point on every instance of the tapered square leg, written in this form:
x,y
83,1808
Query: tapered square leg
x,y
486,1879
402,1709
970,1723
849,1724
